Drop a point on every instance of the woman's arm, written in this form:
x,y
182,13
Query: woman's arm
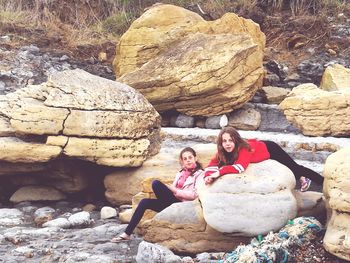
x,y
186,194
240,165
212,167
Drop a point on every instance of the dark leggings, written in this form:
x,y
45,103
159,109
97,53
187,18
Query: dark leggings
x,y
164,199
278,154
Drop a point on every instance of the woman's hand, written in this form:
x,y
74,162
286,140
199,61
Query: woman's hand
x,y
211,178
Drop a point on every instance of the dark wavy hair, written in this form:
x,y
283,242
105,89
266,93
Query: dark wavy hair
x,y
189,149
224,157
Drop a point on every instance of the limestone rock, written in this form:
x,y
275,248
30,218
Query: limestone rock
x,y
15,150
119,152
149,253
184,121
337,192
5,127
125,216
274,95
88,117
317,112
186,79
162,25
245,119
108,212
123,184
8,168
216,122
80,219
184,221
147,36
36,193
194,66
335,77
337,240
263,190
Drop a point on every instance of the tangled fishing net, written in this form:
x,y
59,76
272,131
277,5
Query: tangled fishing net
x,y
274,246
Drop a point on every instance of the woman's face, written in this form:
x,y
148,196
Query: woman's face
x,y
228,143
188,160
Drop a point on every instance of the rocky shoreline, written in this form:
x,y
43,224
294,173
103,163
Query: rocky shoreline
x,y
23,238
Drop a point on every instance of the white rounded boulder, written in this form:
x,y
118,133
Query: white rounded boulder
x,y
255,202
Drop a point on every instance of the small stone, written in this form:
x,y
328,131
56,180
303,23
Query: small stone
x,y
184,121
89,207
58,222
102,56
64,58
80,219
108,212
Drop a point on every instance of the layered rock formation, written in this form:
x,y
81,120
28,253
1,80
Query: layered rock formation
x,y
321,111
76,115
82,116
194,66
337,193
317,112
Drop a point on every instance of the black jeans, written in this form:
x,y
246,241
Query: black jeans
x,y
164,199
278,154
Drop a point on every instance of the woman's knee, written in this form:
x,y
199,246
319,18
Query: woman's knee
x,y
144,202
156,184
271,144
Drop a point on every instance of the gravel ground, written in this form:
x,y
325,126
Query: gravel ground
x,y
312,251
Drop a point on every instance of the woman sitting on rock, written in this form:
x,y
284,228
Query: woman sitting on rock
x,y
234,155
182,189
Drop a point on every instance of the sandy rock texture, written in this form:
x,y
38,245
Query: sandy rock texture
x,y
317,112
337,192
180,61
79,115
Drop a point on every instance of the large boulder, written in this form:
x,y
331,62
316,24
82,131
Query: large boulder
x,y
255,202
37,193
58,133
317,112
182,228
194,66
79,115
337,193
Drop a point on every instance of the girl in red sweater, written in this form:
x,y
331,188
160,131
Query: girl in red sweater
x,y
234,155
182,189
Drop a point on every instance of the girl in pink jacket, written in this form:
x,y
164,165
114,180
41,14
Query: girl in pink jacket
x,y
182,189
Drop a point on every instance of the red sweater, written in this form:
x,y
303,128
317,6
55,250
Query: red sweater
x,y
258,153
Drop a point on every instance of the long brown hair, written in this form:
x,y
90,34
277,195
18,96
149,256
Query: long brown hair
x,y
189,149
224,157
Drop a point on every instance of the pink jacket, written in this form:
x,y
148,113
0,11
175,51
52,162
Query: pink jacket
x,y
188,192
